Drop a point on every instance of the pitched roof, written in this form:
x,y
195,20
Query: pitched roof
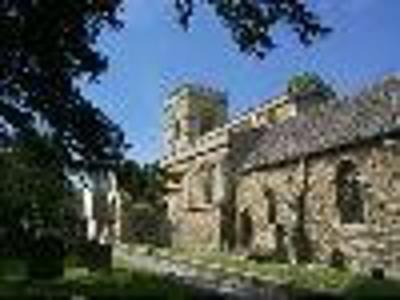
x,y
374,112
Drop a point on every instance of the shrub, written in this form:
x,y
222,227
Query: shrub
x,y
47,258
338,259
97,256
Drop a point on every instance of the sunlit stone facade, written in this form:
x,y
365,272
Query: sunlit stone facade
x,y
285,178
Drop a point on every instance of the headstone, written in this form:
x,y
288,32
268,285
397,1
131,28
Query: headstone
x,y
378,273
98,256
46,260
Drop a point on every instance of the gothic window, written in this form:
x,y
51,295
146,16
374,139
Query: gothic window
x,y
206,123
271,212
201,185
194,124
348,193
246,229
177,130
209,184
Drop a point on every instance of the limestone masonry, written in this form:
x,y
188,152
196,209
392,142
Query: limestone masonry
x,y
295,179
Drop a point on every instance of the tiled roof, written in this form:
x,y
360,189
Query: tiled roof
x,y
374,112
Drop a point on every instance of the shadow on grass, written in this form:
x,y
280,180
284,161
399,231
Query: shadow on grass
x,y
118,284
364,288
121,283
359,288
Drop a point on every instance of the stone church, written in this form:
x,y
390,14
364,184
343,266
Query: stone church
x,y
302,178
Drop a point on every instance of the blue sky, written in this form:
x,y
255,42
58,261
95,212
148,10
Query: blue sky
x,y
152,55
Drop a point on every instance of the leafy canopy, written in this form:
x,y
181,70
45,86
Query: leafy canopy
x,y
143,183
33,187
310,84
251,22
47,48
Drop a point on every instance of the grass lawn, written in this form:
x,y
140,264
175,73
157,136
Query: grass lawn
x,y
115,284
361,288
316,277
123,283
312,277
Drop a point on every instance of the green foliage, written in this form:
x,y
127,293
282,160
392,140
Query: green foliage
x,y
338,259
154,183
309,277
12,268
251,23
46,260
118,284
130,179
47,50
144,184
35,195
144,211
364,288
307,83
31,178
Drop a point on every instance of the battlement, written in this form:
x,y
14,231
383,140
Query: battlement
x,y
195,92
269,112
191,111
198,89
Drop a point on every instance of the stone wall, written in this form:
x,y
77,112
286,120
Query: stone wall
x,y
294,208
199,230
375,241
194,207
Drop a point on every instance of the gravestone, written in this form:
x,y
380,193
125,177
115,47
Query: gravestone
x,y
98,256
46,258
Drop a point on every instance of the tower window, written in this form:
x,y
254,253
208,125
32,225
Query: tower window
x,y
207,124
177,130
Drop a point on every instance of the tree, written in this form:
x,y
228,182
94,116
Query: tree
x,y
144,184
34,193
47,50
310,84
144,216
154,182
130,178
251,22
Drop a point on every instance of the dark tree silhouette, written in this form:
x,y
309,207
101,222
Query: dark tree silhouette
x,y
251,22
310,84
47,49
145,184
34,193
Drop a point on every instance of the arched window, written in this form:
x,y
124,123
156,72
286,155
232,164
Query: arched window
x,y
207,123
348,193
271,210
246,229
208,183
177,130
201,184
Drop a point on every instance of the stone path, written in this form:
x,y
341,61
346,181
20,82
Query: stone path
x,y
215,284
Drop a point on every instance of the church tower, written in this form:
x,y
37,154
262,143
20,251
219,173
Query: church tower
x,y
190,112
